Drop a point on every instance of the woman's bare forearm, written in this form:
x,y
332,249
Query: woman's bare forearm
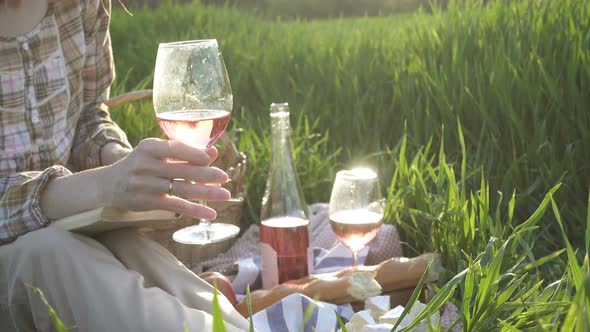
x,y
84,191
76,193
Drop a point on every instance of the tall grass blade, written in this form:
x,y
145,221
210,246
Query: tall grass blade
x,y
218,322
573,266
249,304
539,212
308,314
511,205
340,322
463,158
576,318
538,262
444,294
507,327
59,325
415,294
588,226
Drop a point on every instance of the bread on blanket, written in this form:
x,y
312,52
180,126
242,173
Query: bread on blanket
x,y
350,285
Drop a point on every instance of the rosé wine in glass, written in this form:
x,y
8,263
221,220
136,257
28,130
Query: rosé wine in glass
x,y
356,208
356,228
197,128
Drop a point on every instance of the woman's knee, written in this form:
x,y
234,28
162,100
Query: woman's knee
x,y
29,260
47,247
43,242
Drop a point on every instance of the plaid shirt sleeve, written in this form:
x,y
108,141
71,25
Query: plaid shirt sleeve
x,y
19,204
95,127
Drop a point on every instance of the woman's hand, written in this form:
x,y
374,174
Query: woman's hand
x,y
140,181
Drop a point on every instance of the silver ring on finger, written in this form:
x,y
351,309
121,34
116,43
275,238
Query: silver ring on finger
x,y
170,187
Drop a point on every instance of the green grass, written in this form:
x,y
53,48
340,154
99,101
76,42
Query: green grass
x,y
308,8
517,75
495,277
325,8
472,116
216,311
57,322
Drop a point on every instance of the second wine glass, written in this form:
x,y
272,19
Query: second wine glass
x,y
193,103
356,208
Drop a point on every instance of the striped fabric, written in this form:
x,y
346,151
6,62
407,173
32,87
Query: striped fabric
x,y
53,82
297,312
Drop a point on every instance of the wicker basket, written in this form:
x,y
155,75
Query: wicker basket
x,y
233,163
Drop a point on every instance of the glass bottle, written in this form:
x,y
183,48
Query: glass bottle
x,y
284,227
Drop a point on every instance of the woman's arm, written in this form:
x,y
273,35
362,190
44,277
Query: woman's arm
x,y
74,193
140,181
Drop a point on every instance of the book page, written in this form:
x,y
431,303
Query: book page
x,y
106,219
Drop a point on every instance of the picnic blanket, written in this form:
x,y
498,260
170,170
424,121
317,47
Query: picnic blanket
x,y
297,312
329,253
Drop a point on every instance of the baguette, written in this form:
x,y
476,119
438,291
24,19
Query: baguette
x,y
352,284
401,272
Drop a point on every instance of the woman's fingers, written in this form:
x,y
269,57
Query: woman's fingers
x,y
213,153
189,172
141,181
163,159
163,149
199,191
180,188
178,205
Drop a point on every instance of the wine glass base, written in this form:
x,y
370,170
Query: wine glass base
x,y
202,235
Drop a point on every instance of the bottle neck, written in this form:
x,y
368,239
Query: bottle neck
x,y
283,196
281,136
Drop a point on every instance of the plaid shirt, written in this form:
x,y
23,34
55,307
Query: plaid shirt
x,y
53,82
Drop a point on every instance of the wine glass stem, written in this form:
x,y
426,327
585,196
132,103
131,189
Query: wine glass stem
x,y
205,223
355,258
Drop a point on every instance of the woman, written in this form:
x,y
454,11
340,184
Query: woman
x,y
61,154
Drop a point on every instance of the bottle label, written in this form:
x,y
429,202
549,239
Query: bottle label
x,y
270,268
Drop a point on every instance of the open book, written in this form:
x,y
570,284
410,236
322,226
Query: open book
x,y
106,219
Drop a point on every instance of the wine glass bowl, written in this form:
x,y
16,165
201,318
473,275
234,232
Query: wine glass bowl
x,y
356,208
191,75
193,102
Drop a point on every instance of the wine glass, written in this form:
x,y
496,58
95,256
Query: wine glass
x,y
193,103
356,209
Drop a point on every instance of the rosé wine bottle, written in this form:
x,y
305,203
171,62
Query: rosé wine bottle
x,y
284,227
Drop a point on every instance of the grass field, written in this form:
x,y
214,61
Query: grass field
x,y
477,118
309,8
